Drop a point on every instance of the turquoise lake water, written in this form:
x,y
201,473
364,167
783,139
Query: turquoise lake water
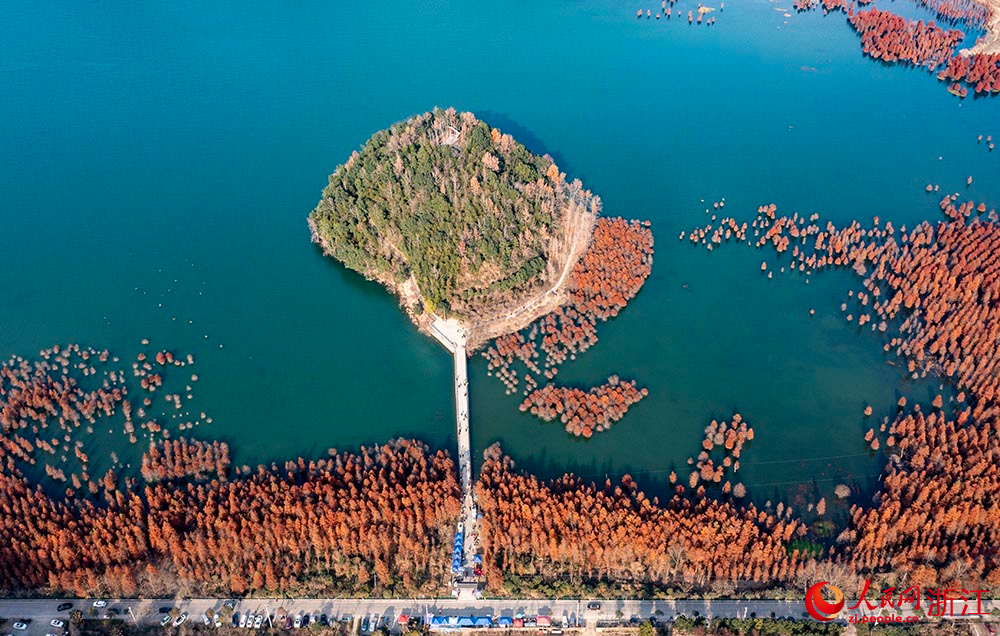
x,y
158,162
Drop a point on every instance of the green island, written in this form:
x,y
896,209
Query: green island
x,y
457,218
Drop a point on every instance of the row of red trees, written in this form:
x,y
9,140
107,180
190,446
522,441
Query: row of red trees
x,y
320,527
611,272
932,291
172,459
889,37
585,412
570,529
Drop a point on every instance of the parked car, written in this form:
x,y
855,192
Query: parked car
x,y
243,620
236,619
100,603
323,620
364,624
217,620
20,626
314,619
64,606
180,619
231,603
298,620
288,622
56,623
593,605
206,620
258,621
346,618
165,620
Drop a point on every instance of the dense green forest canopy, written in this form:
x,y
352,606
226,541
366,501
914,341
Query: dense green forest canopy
x,y
461,209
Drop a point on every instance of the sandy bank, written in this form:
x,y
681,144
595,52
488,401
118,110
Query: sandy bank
x,y
990,42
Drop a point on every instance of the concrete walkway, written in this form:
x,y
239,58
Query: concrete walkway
x,y
452,335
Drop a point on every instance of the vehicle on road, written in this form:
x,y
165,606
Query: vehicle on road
x,y
64,606
20,626
165,620
180,619
56,623
258,621
593,605
100,603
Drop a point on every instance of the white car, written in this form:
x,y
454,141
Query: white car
x,y
56,623
243,620
218,620
298,621
100,603
257,622
21,626
165,620
206,620
180,619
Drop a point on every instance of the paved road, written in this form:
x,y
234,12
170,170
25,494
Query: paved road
x,y
146,611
